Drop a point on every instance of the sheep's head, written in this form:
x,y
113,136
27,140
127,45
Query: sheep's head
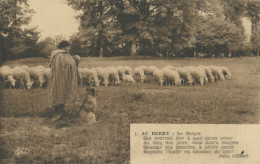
x,y
178,82
161,82
211,79
29,85
13,82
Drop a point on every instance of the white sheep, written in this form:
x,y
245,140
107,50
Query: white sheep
x,y
172,77
158,76
40,67
23,78
198,74
185,75
128,70
138,74
168,67
38,74
103,75
5,67
225,72
89,77
145,69
25,67
113,75
208,73
6,76
121,71
151,70
217,72
128,78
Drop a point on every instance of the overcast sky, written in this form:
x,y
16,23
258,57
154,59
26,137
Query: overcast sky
x,y
53,17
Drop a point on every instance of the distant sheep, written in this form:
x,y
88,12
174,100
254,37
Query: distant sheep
x,y
158,76
138,74
25,67
198,74
185,75
6,76
23,78
113,75
37,74
89,77
121,71
172,77
225,72
145,69
128,70
103,75
208,73
151,69
217,72
128,78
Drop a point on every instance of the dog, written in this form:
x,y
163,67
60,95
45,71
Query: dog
x,y
87,109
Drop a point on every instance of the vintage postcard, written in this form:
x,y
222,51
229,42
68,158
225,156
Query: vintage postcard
x,y
129,81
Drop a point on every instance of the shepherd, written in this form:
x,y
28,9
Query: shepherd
x,y
64,80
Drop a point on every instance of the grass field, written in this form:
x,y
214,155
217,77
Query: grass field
x,y
233,101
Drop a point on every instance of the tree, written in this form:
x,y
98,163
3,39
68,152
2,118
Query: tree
x,y
13,15
255,40
97,23
253,11
218,35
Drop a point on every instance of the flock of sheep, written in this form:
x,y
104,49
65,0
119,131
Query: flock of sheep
x,y
39,76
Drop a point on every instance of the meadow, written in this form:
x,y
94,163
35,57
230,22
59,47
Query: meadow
x,y
234,101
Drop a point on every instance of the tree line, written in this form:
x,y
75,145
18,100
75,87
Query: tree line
x,y
140,27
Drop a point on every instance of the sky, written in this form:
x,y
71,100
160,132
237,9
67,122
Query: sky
x,y
53,17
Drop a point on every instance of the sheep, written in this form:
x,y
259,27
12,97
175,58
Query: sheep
x,y
128,70
138,74
145,69
37,74
25,67
23,78
128,78
40,67
208,73
151,70
225,72
121,71
172,77
113,75
90,77
217,73
185,75
6,76
158,76
198,74
168,67
5,67
103,75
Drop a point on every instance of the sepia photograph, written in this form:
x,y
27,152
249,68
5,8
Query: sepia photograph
x,y
77,75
